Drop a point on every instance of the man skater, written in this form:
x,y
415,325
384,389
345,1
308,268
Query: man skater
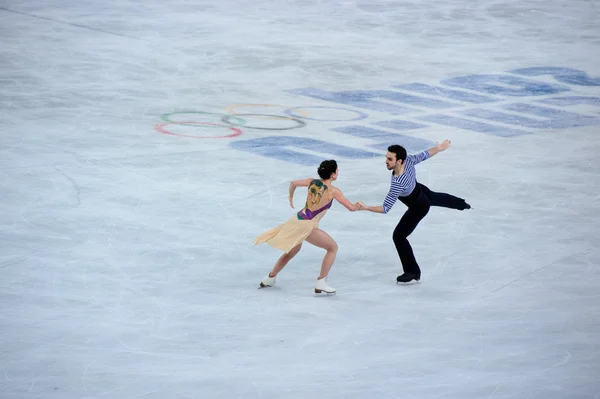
x,y
417,197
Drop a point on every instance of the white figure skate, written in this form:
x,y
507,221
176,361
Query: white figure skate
x,y
322,286
267,282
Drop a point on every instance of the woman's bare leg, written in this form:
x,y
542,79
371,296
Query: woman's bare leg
x,y
323,240
284,259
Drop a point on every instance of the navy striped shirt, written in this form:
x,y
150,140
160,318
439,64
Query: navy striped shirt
x,y
404,184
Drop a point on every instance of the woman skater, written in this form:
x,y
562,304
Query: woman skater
x,y
304,225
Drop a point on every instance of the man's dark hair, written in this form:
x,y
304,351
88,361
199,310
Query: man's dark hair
x,y
399,151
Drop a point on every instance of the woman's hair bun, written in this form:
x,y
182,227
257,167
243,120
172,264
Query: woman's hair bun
x,y
327,168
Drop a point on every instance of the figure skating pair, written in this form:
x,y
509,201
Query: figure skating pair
x,y
304,225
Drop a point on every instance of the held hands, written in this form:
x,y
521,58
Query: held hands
x,y
358,206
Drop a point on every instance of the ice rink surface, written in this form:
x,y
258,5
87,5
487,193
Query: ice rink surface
x,y
126,257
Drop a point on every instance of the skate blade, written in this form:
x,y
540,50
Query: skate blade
x,y
411,282
319,291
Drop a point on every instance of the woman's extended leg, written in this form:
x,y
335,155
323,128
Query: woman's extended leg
x,y
283,260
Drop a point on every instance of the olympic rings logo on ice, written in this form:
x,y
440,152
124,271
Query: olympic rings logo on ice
x,y
234,122
509,104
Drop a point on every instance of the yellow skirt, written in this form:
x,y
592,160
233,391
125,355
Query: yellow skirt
x,y
289,234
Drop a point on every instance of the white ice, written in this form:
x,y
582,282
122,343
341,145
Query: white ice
x,y
126,257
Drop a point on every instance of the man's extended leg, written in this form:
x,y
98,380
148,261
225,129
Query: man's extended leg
x,y
444,200
405,227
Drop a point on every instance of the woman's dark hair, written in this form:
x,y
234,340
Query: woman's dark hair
x,y
327,168
399,151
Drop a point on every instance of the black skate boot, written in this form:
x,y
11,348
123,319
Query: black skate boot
x,y
408,277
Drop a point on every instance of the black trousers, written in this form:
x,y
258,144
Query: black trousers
x,y
418,203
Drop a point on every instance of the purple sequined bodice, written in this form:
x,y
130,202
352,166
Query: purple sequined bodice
x,y
307,214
